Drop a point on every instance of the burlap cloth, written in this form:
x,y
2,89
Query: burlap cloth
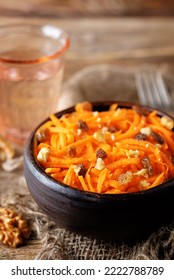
x,y
92,83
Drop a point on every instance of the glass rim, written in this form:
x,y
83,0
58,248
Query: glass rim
x,y
41,59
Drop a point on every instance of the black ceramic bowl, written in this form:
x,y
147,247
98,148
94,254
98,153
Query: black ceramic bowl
x,y
117,217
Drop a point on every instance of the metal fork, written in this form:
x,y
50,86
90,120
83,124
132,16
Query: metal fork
x,y
152,91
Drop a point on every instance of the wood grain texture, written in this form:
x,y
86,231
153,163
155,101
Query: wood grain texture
x,y
80,8
120,41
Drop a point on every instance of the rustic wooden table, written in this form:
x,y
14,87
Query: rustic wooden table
x,y
121,41
125,41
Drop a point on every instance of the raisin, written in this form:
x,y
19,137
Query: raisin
x,y
101,154
147,165
112,129
172,159
140,136
72,151
82,125
81,170
140,110
158,138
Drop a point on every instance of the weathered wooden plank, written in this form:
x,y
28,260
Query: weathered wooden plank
x,y
79,8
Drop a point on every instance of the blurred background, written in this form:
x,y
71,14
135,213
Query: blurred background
x,y
119,32
66,8
127,34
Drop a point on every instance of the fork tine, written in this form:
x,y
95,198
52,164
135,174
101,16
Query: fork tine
x,y
144,88
156,95
153,91
150,89
163,93
140,87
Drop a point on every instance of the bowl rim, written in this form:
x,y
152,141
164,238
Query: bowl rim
x,y
67,190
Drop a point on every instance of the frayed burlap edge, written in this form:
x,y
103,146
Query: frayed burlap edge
x,y
58,243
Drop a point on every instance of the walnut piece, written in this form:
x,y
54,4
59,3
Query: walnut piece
x,y
42,134
142,172
125,178
6,151
12,164
13,227
84,106
144,184
132,153
99,136
167,122
100,165
43,154
146,131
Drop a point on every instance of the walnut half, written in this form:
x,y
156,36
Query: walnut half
x,y
13,227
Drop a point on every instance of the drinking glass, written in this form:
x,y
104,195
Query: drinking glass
x,y
31,73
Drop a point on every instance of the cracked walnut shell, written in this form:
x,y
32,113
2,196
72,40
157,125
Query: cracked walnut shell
x,y
13,227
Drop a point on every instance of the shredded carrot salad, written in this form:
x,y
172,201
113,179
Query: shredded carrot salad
x,y
115,151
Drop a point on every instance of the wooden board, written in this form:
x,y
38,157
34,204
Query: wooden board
x,y
80,8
